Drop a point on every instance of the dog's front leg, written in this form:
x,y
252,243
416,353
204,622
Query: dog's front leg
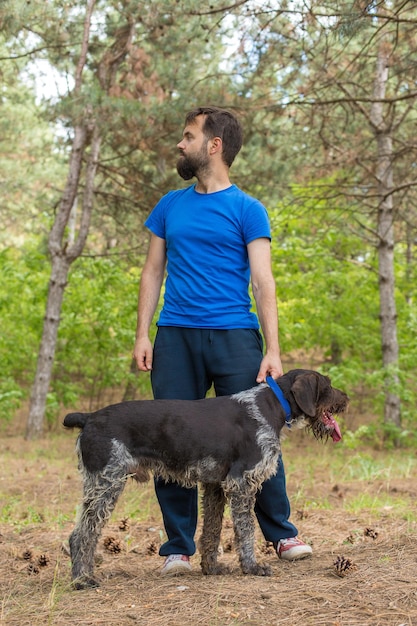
x,y
213,507
242,502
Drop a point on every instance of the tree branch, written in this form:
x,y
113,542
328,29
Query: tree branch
x,y
84,46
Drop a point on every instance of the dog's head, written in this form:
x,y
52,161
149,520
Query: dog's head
x,y
318,401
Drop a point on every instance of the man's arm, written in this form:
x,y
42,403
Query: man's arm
x,y
149,292
264,291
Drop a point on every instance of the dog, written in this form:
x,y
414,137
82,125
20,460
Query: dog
x,y
230,444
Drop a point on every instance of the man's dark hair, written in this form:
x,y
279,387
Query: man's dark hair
x,y
220,123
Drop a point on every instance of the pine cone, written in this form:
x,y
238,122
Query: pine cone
x,y
369,532
32,569
343,566
112,545
27,555
152,548
43,560
124,524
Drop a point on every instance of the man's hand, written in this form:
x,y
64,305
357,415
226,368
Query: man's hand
x,y
143,354
270,366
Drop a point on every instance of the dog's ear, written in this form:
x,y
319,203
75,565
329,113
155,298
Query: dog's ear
x,y
306,390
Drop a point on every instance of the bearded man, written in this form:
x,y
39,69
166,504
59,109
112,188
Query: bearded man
x,y
213,240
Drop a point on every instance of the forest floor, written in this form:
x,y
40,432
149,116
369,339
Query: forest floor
x,y
351,505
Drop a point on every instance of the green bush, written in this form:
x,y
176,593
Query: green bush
x,y
95,336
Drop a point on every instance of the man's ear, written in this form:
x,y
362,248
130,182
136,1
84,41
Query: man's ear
x,y
216,145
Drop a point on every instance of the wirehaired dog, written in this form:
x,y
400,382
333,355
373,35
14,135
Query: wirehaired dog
x,y
231,444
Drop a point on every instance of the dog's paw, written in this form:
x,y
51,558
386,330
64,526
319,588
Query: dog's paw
x,y
85,582
258,570
216,570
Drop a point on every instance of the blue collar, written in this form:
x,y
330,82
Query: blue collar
x,y
283,401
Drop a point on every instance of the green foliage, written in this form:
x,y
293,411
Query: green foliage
x,y
327,288
31,165
380,435
22,289
96,334
10,397
97,331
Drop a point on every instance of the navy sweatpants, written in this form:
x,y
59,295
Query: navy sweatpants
x,y
186,362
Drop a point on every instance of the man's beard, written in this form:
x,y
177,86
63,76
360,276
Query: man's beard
x,y
189,166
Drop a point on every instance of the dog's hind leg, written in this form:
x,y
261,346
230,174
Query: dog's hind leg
x,y
213,508
98,504
101,492
242,502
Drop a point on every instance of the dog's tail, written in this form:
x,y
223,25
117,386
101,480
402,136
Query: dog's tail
x,y
76,420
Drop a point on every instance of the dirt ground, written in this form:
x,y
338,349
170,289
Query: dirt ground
x,y
353,513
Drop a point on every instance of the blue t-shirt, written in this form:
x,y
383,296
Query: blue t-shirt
x,y
207,261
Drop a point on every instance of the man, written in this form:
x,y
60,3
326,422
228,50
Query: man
x,y
213,239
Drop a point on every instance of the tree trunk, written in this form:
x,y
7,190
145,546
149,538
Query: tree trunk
x,y
64,249
62,255
385,229
57,283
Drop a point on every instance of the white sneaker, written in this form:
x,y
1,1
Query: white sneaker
x,y
176,564
293,549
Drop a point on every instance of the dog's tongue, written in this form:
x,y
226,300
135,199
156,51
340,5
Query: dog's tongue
x,y
334,426
336,434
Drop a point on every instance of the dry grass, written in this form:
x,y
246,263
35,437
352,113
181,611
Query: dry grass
x,y
357,506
